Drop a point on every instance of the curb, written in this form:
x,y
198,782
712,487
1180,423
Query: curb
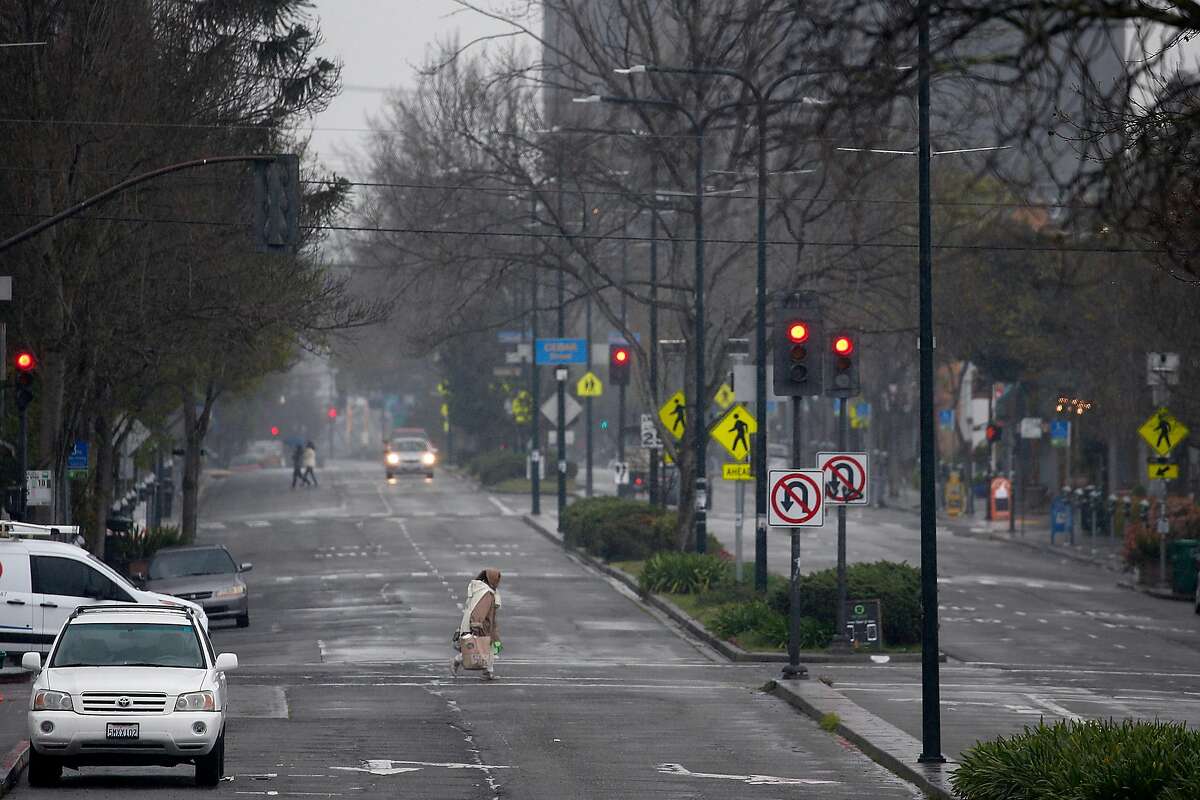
x,y
864,730
13,765
693,626
1161,594
1040,548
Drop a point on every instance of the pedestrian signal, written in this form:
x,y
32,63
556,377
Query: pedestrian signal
x,y
619,358
274,430
797,372
843,367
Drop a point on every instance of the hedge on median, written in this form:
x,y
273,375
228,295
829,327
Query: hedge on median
x,y
897,586
1084,760
617,529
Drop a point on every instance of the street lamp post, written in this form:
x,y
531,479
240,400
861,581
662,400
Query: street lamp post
x,y
535,385
696,425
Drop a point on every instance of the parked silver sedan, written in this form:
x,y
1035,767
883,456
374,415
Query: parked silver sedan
x,y
204,574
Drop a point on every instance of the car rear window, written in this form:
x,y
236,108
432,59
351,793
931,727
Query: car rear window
x,y
123,644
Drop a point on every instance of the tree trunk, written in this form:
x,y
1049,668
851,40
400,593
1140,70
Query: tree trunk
x,y
102,482
195,428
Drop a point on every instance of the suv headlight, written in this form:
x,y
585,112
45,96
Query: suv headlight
x,y
47,700
232,591
428,458
196,701
392,458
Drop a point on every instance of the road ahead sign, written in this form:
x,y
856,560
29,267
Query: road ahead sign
x,y
796,498
845,478
674,415
589,386
734,430
1163,432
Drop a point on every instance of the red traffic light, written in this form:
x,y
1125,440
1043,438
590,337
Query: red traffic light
x,y
843,345
993,432
620,355
274,430
332,413
797,332
24,361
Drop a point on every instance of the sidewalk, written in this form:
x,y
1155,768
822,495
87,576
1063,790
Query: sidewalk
x,y
14,744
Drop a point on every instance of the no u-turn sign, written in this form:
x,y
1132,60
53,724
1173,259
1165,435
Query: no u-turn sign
x,y
797,498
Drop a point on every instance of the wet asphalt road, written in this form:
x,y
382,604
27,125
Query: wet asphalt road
x,y
344,689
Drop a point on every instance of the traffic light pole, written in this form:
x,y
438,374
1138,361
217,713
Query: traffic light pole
x,y
622,387
840,640
794,668
697,424
23,462
560,373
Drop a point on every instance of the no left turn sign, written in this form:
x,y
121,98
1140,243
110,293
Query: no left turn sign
x,y
797,498
845,478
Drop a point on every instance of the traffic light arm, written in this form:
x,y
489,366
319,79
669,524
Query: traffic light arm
x,y
79,208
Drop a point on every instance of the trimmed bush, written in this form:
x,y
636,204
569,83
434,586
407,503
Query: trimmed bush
x,y
495,466
896,585
615,529
1090,760
682,573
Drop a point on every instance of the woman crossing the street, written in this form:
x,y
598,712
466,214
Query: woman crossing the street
x,y
478,634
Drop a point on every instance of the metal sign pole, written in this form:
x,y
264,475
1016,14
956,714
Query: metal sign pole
x,y
841,640
739,511
794,668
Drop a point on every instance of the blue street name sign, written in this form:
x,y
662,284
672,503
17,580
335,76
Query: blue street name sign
x,y
946,418
78,460
561,351
1060,431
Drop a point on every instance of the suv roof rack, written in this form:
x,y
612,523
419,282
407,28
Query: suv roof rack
x,y
27,530
136,607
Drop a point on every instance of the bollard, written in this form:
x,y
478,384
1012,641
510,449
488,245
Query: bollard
x,y
1112,516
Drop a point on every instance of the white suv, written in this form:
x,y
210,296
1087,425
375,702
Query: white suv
x,y
129,685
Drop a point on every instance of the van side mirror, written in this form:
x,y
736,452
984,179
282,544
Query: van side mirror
x,y
245,566
225,662
31,662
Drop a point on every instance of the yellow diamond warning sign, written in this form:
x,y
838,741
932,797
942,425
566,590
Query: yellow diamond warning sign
x,y
725,396
733,431
1163,432
674,415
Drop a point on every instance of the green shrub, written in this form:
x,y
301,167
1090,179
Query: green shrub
x,y
142,543
896,585
682,573
495,466
829,722
616,529
737,618
1088,760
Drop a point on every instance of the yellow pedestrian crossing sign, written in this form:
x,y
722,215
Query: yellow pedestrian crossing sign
x,y
1163,432
733,431
725,396
1162,471
589,386
674,415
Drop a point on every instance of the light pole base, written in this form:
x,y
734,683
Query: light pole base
x,y
934,759
792,672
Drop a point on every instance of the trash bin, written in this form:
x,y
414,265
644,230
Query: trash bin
x,y
1183,565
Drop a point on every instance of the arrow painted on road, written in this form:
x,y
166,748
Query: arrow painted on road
x,y
753,780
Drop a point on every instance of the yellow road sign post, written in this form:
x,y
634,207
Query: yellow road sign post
x,y
589,386
734,430
1163,431
674,415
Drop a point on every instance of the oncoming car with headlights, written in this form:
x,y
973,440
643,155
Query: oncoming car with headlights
x,y
409,455
129,686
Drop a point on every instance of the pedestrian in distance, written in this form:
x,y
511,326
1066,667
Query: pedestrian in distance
x,y
310,464
298,465
478,633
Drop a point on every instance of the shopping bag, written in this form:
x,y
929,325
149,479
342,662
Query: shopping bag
x,y
476,652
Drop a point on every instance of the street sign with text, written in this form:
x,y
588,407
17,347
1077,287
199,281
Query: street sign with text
x,y
561,351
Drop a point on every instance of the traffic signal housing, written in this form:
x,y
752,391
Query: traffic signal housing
x,y
797,367
26,365
620,357
277,204
842,370
994,432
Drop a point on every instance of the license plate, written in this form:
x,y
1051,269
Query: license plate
x,y
122,730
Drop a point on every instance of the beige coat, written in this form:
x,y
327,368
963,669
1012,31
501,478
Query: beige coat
x,y
483,601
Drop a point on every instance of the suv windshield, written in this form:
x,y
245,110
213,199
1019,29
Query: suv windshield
x,y
182,563
409,445
112,644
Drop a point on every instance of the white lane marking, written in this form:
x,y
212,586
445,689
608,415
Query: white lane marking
x,y
387,766
1014,581
505,510
1053,707
212,526
753,780
258,523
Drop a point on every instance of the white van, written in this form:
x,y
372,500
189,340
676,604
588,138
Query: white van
x,y
43,581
